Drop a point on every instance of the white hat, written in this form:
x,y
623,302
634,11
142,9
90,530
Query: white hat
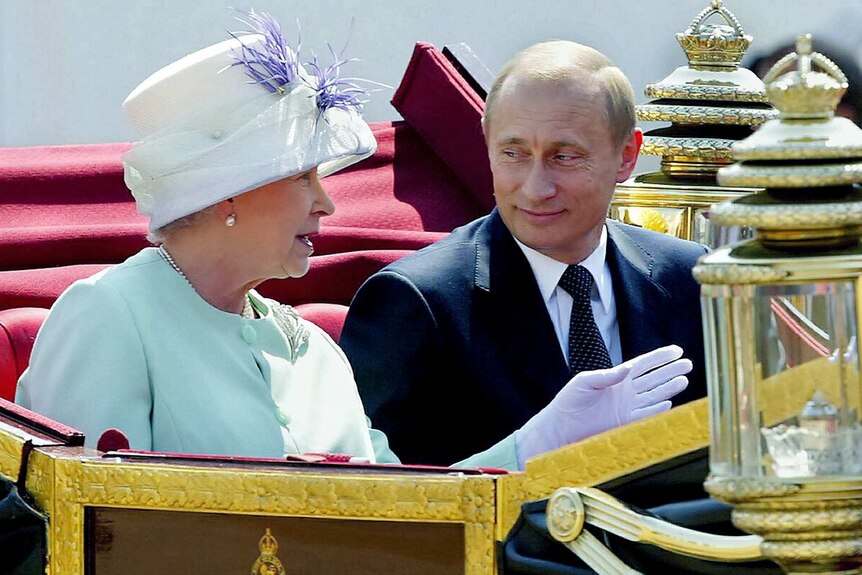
x,y
207,131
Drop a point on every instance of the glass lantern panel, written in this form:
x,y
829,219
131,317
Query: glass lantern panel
x,y
705,232
783,370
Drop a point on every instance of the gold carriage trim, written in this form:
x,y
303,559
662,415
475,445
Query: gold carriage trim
x,y
705,115
744,175
705,148
707,92
737,274
778,216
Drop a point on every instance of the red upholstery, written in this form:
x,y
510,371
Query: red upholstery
x,y
40,287
441,106
329,316
69,205
331,278
18,328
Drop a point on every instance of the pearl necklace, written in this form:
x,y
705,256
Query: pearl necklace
x,y
247,310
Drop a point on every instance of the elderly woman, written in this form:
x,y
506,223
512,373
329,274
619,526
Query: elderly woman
x,y
176,349
173,346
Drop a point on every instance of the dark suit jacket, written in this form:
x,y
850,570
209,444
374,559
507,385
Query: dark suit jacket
x,y
453,348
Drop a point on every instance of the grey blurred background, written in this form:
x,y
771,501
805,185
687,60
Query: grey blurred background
x,y
66,65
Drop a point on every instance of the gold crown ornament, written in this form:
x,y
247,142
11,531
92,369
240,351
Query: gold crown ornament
x,y
809,160
804,93
711,103
714,45
267,563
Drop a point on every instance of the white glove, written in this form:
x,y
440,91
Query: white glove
x,y
595,401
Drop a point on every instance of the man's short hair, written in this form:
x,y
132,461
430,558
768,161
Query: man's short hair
x,y
559,60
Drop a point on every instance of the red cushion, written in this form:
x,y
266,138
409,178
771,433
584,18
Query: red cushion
x,y
403,186
40,287
328,316
332,278
18,328
69,205
437,102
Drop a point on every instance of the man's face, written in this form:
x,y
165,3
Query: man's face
x,y
555,165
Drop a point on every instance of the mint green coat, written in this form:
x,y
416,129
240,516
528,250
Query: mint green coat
x,y
136,348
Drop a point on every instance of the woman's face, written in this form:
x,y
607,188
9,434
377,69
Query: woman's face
x,y
277,221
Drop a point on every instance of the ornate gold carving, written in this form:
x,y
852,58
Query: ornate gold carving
x,y
800,176
838,139
66,535
566,514
10,455
831,517
511,494
812,551
267,563
705,115
40,480
803,93
802,150
737,489
468,500
695,147
788,216
711,45
706,92
736,274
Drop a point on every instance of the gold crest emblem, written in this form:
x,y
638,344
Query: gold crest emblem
x,y
267,563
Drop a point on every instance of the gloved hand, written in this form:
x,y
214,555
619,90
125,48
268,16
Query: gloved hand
x,y
595,401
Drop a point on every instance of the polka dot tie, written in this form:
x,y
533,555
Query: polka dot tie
x,y
587,350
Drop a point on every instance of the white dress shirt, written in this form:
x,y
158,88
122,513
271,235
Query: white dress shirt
x,y
548,272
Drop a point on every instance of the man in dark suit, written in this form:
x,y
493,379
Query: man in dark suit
x,y
484,336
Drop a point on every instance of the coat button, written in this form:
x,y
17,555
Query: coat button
x,y
248,334
281,417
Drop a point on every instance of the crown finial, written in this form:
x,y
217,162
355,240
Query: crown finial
x,y
714,46
268,545
803,93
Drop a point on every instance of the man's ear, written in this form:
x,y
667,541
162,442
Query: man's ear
x,y
629,155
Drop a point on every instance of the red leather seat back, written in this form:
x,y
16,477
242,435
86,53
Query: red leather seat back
x,y
328,316
18,328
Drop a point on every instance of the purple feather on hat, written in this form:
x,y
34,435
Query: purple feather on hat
x,y
275,64
334,91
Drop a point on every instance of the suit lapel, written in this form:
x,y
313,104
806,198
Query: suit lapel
x,y
508,300
639,300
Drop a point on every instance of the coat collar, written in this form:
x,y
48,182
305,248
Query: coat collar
x,y
640,299
507,295
503,274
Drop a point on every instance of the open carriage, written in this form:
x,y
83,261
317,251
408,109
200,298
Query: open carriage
x,y
66,214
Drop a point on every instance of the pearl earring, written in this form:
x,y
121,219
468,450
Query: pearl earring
x,y
230,221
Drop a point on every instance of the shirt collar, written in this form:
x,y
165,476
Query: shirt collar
x,y
548,271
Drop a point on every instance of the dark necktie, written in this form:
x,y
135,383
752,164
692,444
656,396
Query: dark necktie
x,y
587,350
